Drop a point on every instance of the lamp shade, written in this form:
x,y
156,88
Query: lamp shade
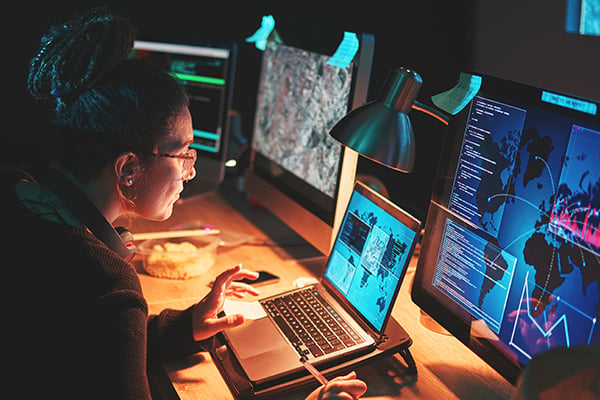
x,y
381,130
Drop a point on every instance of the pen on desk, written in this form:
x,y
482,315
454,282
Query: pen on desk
x,y
313,371
175,234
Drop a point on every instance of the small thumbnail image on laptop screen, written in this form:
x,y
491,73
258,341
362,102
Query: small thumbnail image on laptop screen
x,y
368,258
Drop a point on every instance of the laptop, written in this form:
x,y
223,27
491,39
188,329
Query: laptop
x,y
347,310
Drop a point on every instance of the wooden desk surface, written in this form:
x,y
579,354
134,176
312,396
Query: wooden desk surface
x,y
446,368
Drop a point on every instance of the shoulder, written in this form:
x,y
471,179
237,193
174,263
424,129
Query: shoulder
x,y
20,188
114,270
43,202
8,174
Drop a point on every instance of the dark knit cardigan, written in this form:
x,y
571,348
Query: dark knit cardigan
x,y
75,322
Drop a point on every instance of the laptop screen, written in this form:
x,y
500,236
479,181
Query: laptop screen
x,y
371,253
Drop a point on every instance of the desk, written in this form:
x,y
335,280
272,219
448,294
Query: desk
x,y
446,368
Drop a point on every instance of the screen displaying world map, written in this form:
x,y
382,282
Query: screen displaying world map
x,y
520,243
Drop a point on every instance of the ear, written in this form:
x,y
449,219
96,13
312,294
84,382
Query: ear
x,y
127,165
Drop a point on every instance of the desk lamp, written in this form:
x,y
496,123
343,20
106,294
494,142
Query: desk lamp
x,y
381,130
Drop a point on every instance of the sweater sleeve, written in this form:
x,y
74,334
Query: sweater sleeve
x,y
170,335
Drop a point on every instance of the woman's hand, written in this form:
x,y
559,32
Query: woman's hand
x,y
342,387
205,322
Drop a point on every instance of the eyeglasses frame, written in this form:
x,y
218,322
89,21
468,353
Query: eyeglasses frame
x,y
187,155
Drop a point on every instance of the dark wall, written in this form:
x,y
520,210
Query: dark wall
x,y
433,37
526,41
515,39
430,36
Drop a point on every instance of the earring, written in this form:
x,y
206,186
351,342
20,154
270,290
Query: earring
x,y
127,181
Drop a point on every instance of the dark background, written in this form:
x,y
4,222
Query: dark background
x,y
515,39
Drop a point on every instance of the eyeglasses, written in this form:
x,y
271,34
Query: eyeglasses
x,y
189,158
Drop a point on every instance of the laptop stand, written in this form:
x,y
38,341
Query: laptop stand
x,y
396,341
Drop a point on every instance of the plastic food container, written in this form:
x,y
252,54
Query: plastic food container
x,y
179,258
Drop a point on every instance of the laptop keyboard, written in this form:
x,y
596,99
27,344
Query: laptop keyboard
x,y
311,325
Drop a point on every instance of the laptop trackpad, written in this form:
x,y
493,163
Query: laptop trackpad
x,y
261,349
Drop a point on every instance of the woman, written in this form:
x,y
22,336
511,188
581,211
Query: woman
x,y
77,325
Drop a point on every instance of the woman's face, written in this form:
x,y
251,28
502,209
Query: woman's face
x,y
161,183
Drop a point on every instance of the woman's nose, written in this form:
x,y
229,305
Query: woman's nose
x,y
190,175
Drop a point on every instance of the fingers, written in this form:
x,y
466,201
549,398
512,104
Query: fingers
x,y
229,321
226,281
348,390
354,387
345,396
204,314
226,276
225,285
350,375
346,386
242,273
239,289
234,273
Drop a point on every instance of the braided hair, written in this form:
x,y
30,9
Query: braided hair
x,y
103,102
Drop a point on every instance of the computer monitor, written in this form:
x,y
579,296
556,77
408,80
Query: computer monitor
x,y
297,170
207,73
510,256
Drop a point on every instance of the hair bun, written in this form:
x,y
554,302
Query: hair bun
x,y
75,55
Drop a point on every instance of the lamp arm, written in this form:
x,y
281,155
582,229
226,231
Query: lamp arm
x,y
431,112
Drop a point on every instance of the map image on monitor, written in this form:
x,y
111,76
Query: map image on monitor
x,y
510,258
576,213
530,184
486,164
301,99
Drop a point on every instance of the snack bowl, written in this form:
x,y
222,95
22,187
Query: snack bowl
x,y
179,258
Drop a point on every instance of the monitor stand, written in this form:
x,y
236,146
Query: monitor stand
x,y
430,324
